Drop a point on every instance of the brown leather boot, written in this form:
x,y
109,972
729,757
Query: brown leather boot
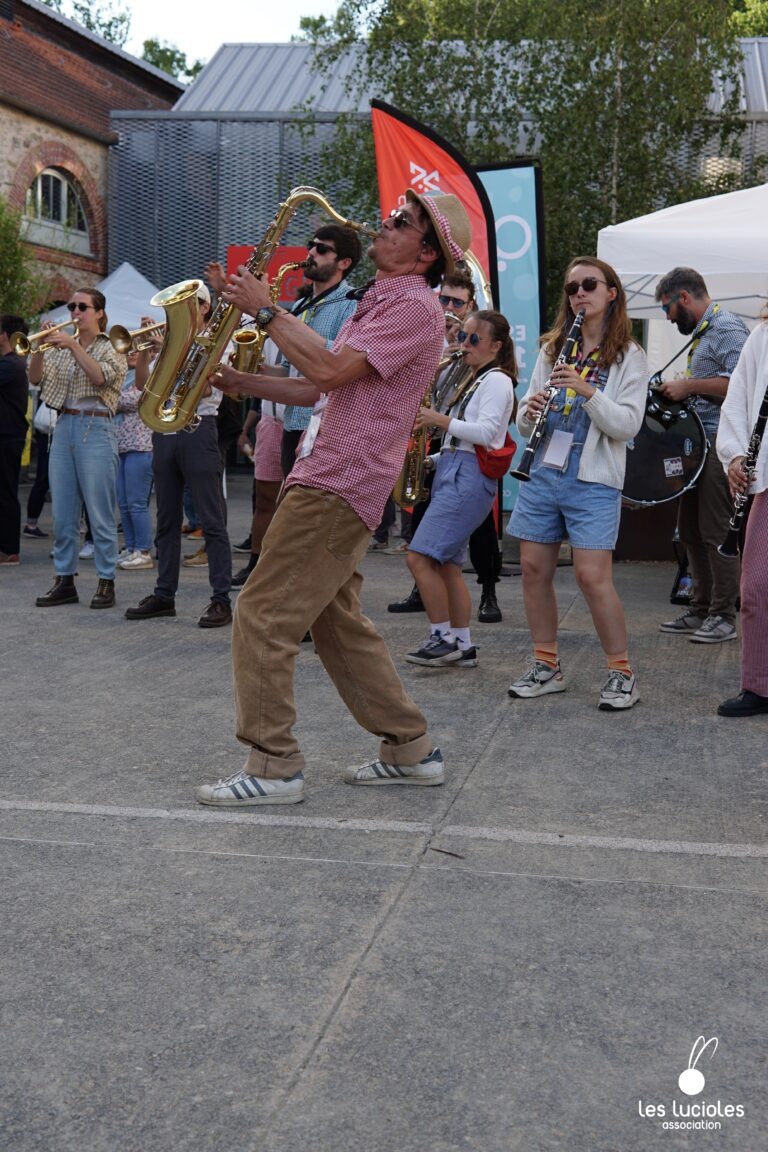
x,y
105,595
62,592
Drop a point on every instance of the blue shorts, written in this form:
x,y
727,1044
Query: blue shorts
x,y
461,499
553,505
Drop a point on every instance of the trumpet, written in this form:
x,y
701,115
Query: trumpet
x,y
22,345
523,470
125,341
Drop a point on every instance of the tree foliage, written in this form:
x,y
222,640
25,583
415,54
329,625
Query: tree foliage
x,y
611,95
750,17
170,59
21,288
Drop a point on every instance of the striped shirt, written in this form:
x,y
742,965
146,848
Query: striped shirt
x,y
716,354
65,384
366,424
326,317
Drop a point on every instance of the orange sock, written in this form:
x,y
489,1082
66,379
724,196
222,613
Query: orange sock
x,y
619,663
546,653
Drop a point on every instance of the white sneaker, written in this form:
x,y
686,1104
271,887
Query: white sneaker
x,y
538,681
714,630
86,552
427,772
123,554
137,560
619,691
243,790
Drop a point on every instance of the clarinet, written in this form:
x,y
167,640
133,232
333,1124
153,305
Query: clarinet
x,y
730,546
523,470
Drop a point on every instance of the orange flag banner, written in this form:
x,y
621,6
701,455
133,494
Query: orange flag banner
x,y
411,155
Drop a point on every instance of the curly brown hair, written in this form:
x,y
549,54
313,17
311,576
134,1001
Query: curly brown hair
x,y
618,327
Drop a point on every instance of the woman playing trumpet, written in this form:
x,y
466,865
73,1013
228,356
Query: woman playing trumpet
x,y
462,496
578,473
81,376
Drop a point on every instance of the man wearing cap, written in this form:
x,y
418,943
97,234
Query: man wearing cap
x,y
366,390
192,458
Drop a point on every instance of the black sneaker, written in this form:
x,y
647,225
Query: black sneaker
x,y
745,704
244,547
411,603
436,652
150,607
240,577
33,533
468,658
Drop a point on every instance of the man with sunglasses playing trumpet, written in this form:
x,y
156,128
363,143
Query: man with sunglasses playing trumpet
x,y
366,391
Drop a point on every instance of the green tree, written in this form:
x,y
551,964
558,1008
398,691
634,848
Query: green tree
x,y
170,59
750,17
611,95
105,20
21,288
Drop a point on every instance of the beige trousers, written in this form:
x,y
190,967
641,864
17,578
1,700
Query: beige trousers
x,y
307,577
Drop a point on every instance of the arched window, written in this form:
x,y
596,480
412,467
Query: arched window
x,y
54,214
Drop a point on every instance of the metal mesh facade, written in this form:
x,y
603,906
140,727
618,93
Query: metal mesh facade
x,y
183,189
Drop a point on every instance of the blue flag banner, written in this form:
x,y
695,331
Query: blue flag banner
x,y
514,190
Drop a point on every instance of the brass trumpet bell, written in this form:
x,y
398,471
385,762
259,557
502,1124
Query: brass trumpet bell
x,y
23,345
125,341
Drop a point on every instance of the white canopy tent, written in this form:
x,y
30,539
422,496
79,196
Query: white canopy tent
x,y
725,238
127,294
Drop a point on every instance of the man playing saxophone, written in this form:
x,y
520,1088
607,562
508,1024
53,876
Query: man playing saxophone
x,y
366,390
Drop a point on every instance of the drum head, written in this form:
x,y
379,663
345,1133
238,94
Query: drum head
x,y
663,461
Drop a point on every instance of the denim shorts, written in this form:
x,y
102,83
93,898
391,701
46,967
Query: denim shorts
x,y
461,499
553,505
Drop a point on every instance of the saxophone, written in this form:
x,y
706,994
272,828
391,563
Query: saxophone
x,y
188,357
411,487
249,342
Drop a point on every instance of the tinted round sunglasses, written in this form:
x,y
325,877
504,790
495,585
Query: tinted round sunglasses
x,y
589,283
456,301
465,337
79,306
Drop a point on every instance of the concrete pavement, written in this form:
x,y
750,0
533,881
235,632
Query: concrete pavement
x,y
520,960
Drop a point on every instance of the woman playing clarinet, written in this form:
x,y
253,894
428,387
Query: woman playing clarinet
x,y
577,474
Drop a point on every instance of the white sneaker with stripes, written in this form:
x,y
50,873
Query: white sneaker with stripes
x,y
242,790
429,771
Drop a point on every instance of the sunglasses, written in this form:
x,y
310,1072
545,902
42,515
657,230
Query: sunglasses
x,y
320,247
456,301
589,283
465,337
79,306
400,220
673,300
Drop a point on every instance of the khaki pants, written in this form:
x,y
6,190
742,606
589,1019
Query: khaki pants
x,y
307,577
702,522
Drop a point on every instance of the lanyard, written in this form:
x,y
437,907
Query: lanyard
x,y
584,371
697,339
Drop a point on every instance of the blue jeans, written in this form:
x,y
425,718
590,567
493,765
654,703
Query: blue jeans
x,y
134,485
83,469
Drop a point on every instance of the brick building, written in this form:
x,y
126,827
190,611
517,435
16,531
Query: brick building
x,y
59,84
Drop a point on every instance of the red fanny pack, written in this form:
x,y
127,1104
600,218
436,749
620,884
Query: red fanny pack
x,y
495,462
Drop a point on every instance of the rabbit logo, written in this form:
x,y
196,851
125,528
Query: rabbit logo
x,y
691,1081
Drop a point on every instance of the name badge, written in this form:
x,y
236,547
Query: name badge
x,y
558,450
315,420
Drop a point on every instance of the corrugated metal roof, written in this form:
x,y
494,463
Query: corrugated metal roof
x,y
271,78
264,79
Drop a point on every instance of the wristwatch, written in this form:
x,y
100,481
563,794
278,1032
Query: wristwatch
x,y
265,316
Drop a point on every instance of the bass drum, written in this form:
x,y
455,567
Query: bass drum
x,y
666,457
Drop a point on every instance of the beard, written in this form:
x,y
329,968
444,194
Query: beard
x,y
685,321
319,275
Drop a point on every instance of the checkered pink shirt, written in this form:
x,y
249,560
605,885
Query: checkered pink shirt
x,y
365,427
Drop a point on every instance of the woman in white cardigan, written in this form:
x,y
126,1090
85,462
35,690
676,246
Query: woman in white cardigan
x,y
745,401
578,473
